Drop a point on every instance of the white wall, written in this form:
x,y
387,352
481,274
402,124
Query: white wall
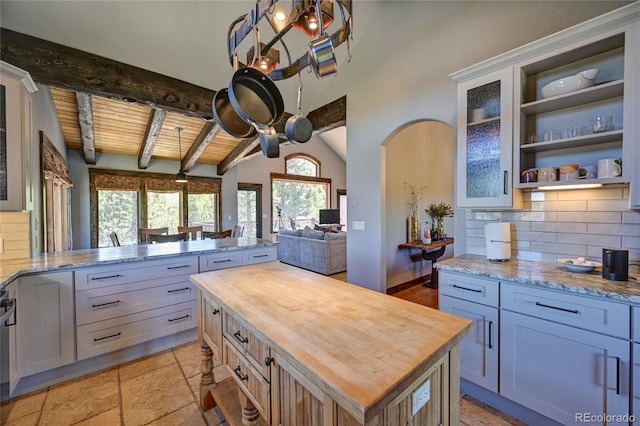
x,y
400,73
422,154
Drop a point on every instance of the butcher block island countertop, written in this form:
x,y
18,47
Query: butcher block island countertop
x,y
361,354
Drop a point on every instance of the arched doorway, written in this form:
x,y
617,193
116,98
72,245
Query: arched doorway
x,y
422,154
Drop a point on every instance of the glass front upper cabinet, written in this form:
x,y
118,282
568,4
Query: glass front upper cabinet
x,y
485,143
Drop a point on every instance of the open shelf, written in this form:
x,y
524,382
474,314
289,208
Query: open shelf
x,y
578,141
604,181
600,92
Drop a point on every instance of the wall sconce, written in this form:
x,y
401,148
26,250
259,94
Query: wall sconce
x,y
268,61
304,16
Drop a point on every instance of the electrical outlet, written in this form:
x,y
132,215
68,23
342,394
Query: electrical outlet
x,y
420,397
357,225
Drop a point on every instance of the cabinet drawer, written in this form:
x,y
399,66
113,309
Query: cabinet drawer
x,y
227,259
468,287
211,323
106,336
591,314
249,379
259,255
126,273
255,350
109,302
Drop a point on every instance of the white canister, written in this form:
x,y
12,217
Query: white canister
x,y
498,239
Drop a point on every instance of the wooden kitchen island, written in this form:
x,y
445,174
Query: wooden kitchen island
x,y
308,349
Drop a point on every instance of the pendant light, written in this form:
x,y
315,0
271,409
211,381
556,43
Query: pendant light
x,y
181,177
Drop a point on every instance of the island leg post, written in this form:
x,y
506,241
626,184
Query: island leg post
x,y
250,413
206,379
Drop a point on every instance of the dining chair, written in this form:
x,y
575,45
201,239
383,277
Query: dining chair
x,y
237,231
216,234
167,238
114,239
193,231
143,233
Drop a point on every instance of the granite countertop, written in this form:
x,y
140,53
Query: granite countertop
x,y
546,275
12,269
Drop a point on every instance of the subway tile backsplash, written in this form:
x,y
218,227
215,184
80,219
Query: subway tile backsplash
x,y
557,224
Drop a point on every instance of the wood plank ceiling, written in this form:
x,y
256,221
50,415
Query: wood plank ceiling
x,y
120,128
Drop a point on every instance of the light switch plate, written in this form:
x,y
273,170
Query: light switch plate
x,y
420,397
357,225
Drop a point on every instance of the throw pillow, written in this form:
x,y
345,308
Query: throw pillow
x,y
312,233
335,236
292,232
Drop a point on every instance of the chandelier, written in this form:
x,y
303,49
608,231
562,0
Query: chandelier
x,y
252,103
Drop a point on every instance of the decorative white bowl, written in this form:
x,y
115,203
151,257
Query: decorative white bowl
x,y
572,83
579,264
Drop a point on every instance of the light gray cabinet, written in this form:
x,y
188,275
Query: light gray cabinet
x,y
485,143
477,300
553,363
45,327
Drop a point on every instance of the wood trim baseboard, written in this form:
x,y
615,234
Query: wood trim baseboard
x,y
403,286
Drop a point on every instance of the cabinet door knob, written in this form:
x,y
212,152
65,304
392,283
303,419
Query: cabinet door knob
x,y
268,360
215,311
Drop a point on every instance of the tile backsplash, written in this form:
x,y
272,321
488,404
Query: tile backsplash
x,y
567,223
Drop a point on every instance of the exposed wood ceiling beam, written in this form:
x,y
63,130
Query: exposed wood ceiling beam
x,y
206,136
236,155
330,116
85,118
60,66
154,126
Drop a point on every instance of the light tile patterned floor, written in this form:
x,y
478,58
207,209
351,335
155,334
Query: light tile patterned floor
x,y
159,390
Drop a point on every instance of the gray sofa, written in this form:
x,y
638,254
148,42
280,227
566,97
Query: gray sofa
x,y
318,251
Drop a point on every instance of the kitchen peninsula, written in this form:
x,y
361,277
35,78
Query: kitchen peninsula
x,y
80,311
308,349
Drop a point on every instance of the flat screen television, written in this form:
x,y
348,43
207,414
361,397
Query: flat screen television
x,y
329,216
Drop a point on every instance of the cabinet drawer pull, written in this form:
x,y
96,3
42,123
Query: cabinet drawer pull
x,y
107,337
490,335
260,255
571,311
239,374
97,305
178,289
506,183
179,318
179,267
222,261
215,311
106,277
239,337
475,290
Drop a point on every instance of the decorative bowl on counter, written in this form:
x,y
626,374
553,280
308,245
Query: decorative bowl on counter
x,y
571,83
579,265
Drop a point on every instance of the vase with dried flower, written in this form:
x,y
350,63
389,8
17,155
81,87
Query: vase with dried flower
x,y
438,212
412,196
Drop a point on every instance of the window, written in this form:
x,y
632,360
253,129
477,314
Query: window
x,y
301,165
250,209
297,200
203,211
56,229
124,201
117,212
163,210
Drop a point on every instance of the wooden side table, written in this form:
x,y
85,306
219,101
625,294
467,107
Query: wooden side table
x,y
429,252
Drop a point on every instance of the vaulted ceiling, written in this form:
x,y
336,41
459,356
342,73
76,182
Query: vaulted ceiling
x,y
107,106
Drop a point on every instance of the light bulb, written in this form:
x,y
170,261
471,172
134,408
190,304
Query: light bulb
x,y
280,16
264,64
